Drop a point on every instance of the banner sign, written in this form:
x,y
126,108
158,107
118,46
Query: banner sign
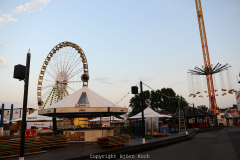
x,y
238,99
233,114
11,116
2,115
77,110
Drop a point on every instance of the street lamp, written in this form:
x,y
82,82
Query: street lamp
x,y
135,91
22,73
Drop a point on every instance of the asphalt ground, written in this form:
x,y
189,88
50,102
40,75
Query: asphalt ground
x,y
78,151
215,145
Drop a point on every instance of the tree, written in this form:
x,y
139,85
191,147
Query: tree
x,y
165,98
202,107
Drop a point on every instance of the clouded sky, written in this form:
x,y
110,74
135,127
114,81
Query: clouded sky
x,y
156,41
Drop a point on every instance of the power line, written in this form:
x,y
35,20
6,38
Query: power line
x,y
125,96
161,93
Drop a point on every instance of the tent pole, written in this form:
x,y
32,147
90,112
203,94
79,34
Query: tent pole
x,y
101,124
110,121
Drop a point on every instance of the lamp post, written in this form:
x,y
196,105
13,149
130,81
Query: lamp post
x,y
186,125
22,73
135,91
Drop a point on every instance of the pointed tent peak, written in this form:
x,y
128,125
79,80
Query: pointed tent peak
x,y
94,100
83,99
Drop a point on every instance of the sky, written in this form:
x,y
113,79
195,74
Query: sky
x,y
124,41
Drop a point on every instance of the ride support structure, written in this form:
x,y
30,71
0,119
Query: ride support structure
x,y
207,64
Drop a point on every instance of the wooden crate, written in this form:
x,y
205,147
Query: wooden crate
x,y
115,141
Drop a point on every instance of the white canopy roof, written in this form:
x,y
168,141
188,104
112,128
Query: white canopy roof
x,y
148,112
34,117
90,97
105,119
5,121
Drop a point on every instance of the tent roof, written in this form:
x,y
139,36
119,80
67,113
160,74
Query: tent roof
x,y
84,96
194,112
34,117
148,112
5,121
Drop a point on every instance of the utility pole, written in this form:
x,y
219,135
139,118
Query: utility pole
x,y
25,98
143,124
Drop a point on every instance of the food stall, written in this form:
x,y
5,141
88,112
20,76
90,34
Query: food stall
x,y
83,103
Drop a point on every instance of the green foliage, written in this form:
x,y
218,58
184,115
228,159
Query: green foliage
x,y
158,100
202,107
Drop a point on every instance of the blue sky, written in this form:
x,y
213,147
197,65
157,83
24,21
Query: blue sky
x,y
124,41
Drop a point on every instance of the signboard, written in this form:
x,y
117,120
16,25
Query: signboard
x,y
76,110
237,94
82,105
233,114
112,109
44,111
30,132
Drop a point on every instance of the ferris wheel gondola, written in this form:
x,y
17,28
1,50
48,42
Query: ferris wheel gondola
x,y
63,71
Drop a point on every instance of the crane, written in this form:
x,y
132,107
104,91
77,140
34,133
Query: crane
x,y
207,65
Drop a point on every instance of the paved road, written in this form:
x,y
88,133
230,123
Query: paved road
x,y
215,145
77,150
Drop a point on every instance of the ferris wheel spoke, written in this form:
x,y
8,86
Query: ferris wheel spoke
x,y
49,80
70,59
63,51
47,98
59,53
51,85
48,93
65,57
73,66
57,61
50,74
71,89
74,73
72,52
73,62
73,81
70,73
53,70
61,58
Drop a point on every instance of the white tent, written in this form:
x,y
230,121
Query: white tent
x,y
5,121
148,112
84,96
39,121
34,117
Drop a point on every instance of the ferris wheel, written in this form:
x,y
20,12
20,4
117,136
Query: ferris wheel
x,y
63,72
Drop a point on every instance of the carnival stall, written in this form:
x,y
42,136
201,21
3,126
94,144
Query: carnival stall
x,y
83,103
